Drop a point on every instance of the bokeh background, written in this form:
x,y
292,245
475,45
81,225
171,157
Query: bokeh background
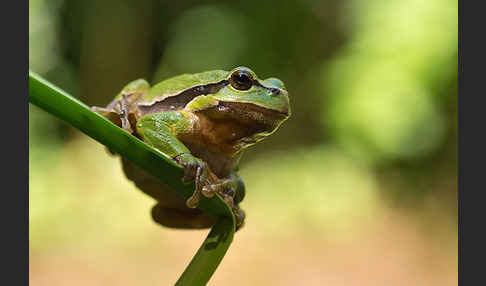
x,y
358,187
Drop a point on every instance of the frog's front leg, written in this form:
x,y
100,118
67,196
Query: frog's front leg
x,y
117,112
161,130
120,111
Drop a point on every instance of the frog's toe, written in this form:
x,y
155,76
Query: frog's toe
x,y
193,201
208,191
207,183
224,188
118,117
239,218
193,168
100,110
200,178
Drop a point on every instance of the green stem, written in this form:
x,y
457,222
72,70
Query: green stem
x,y
209,255
57,102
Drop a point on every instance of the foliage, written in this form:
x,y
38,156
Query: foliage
x,y
373,89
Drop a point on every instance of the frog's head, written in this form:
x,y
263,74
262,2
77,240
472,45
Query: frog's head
x,y
264,101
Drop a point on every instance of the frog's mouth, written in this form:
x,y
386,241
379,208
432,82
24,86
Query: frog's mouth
x,y
252,116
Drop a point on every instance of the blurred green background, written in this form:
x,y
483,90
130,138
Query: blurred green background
x,y
358,187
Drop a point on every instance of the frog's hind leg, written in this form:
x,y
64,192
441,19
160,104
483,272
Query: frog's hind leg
x,y
176,218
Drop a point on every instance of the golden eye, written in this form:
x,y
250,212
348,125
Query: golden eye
x,y
241,80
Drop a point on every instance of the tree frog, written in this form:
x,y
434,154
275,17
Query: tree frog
x,y
203,121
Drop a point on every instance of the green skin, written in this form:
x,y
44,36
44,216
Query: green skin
x,y
203,121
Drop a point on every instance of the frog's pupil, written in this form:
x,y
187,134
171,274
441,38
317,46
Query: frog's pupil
x,y
241,80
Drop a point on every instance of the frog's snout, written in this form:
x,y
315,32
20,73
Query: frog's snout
x,y
287,111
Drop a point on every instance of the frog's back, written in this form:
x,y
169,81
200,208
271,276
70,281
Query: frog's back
x,y
182,82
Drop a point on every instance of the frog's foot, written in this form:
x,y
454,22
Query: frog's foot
x,y
197,170
224,188
239,217
227,190
117,112
207,184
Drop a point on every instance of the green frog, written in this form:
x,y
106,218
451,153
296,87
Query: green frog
x,y
202,121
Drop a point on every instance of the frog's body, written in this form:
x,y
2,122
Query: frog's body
x,y
203,121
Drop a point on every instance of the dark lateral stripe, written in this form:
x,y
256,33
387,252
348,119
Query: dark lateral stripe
x,y
179,101
271,89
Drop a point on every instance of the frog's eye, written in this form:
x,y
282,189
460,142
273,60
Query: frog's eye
x,y
241,80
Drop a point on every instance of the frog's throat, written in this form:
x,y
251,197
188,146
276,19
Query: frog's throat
x,y
254,118
254,111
